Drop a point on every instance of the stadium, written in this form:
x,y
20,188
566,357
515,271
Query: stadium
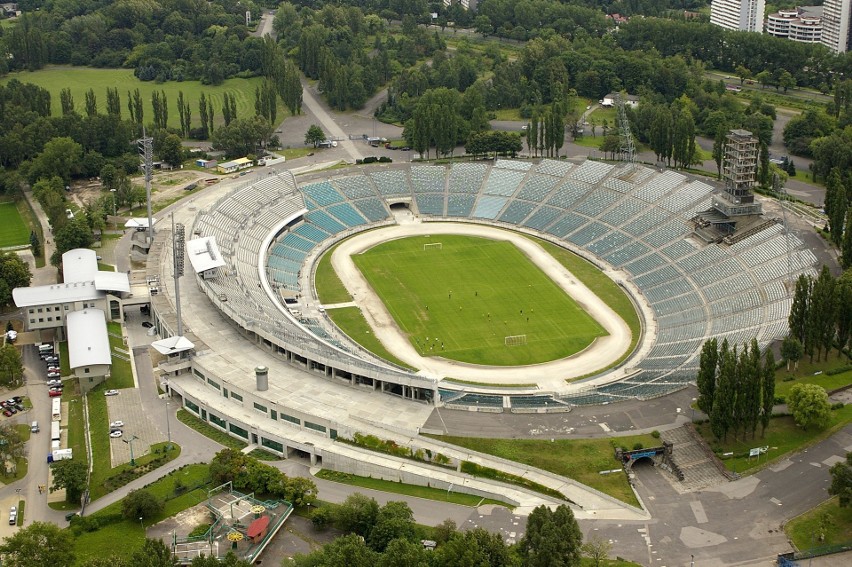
x,y
267,365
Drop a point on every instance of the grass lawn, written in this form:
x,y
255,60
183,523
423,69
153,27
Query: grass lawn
x,y
426,492
782,436
209,431
13,229
121,376
294,153
806,373
64,365
580,459
129,533
352,322
590,141
829,519
329,287
462,300
508,114
29,217
600,114
81,79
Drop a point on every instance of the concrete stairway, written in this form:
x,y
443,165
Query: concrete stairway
x,y
694,459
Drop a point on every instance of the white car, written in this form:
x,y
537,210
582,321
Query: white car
x,y
13,515
111,393
116,424
115,434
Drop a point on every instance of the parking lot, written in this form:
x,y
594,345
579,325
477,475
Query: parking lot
x,y
127,407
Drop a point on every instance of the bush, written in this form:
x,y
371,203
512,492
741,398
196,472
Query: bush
x,y
385,159
199,530
837,405
321,517
655,434
637,446
838,370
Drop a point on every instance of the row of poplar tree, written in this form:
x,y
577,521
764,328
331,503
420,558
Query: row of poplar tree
x,y
821,314
736,388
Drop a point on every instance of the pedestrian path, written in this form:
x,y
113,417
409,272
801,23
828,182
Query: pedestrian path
x,y
694,460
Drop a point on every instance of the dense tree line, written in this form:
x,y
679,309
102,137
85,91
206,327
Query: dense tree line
x,y
251,475
821,314
387,536
162,41
736,388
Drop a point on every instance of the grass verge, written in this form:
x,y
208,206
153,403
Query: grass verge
x,y
13,229
828,519
783,436
209,431
121,375
21,507
329,287
579,459
813,373
427,492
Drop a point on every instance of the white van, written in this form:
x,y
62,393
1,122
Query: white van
x,y
34,427
45,347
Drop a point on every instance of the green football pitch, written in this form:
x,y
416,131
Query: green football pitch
x,y
13,229
462,299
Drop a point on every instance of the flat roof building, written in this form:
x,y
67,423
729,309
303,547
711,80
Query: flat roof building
x,y
802,24
741,15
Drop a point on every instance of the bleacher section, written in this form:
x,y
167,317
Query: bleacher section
x,y
635,219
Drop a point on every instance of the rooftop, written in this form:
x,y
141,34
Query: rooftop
x,y
204,254
88,343
56,293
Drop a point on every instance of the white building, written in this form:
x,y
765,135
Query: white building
x,y
802,24
204,256
835,24
88,347
742,15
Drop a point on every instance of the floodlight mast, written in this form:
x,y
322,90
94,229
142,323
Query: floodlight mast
x,y
178,241
146,152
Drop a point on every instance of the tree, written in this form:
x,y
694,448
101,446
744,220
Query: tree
x,y
171,150
70,475
140,504
764,77
357,514
314,135
791,351
552,539
60,157
91,103
66,101
11,365
786,80
725,394
473,547
74,234
242,136
35,244
798,318
743,73
809,405
10,440
38,545
763,166
14,272
597,549
153,553
846,246
706,379
403,553
395,520
719,148
345,551
768,393
113,102
841,481
230,560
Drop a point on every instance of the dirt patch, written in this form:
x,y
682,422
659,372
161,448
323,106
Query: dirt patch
x,y
166,186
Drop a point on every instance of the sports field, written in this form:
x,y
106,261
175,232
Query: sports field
x,y
462,299
81,79
13,230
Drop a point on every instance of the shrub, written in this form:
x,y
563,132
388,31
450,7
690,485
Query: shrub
x,y
637,446
655,434
321,517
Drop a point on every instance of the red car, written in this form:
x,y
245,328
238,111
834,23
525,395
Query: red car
x,y
7,413
54,393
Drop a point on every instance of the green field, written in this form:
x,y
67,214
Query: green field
x,y
81,79
462,300
13,229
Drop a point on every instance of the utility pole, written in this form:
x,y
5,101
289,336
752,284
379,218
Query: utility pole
x,y
146,152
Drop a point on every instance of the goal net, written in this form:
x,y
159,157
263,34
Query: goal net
x,y
433,246
515,340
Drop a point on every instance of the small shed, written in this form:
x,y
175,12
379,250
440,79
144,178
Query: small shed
x,y
258,529
234,165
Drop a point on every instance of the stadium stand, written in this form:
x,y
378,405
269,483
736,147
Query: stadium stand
x,y
634,219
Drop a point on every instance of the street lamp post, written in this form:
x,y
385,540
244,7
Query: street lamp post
x,y
141,524
130,442
168,428
114,222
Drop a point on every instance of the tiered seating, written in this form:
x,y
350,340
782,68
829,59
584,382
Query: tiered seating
x,y
372,209
542,217
553,167
460,205
513,164
355,186
569,193
480,400
428,178
347,215
567,223
642,224
590,232
431,204
503,182
466,177
324,221
591,172
630,251
660,185
391,182
517,211
666,233
645,264
323,193
537,187
488,207
678,249
626,209
534,402
597,202
608,243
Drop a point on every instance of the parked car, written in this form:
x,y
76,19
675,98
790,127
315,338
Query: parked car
x,y
111,393
7,413
54,382
115,434
53,374
13,410
54,393
51,358
19,407
17,399
13,515
116,424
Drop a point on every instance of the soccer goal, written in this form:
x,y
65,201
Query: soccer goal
x,y
433,246
515,340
